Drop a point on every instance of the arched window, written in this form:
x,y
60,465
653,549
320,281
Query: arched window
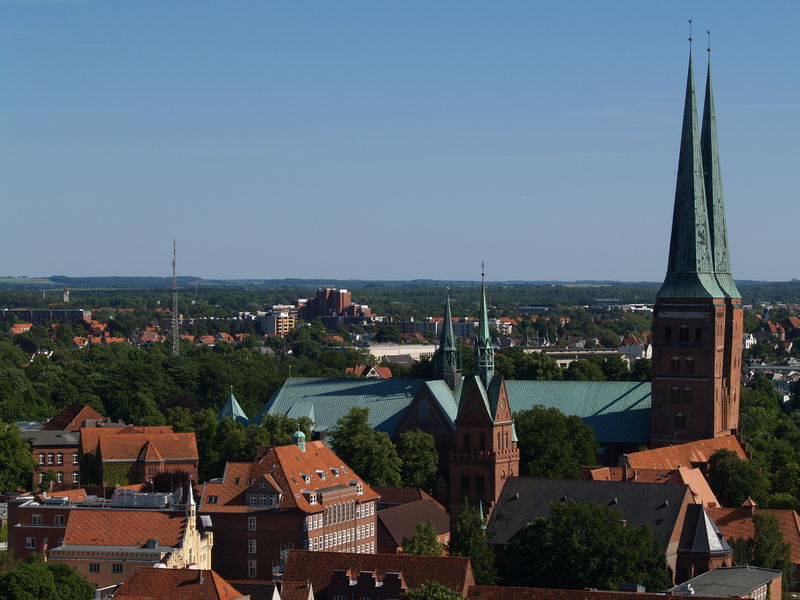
x,y
686,395
668,334
680,421
689,365
683,333
483,442
505,440
466,442
698,335
676,364
675,395
464,482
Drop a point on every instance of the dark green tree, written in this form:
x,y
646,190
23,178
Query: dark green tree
x,y
431,590
16,461
586,545
69,584
552,444
734,480
423,541
369,453
767,548
467,538
38,580
419,457
583,370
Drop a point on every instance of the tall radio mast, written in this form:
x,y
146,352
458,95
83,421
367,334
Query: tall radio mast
x,y
176,336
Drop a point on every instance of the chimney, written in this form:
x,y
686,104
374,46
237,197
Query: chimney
x,y
623,461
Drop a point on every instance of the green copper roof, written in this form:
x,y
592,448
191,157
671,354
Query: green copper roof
x,y
714,196
484,355
445,398
231,409
446,361
690,271
618,411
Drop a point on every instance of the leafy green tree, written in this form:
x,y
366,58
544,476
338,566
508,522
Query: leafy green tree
x,y
586,545
420,459
642,370
369,453
734,480
767,548
28,582
48,479
16,461
583,370
552,444
467,538
388,334
423,541
69,584
431,590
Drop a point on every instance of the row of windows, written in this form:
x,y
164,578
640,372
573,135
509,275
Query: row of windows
x,y
502,442
337,538
58,520
58,457
60,477
688,364
339,513
680,395
260,500
683,334
30,542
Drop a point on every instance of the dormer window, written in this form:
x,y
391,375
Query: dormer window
x,y
312,498
236,481
211,500
305,477
321,474
335,471
262,485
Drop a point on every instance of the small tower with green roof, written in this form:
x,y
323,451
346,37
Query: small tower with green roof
x,y
484,350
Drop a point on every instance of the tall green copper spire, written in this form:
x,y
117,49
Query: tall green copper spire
x,y
690,272
483,343
447,355
714,197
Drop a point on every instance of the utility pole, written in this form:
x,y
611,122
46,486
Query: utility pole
x,y
176,334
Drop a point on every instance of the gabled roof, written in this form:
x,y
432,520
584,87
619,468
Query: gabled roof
x,y
72,418
285,467
90,436
399,522
738,523
526,498
454,572
386,399
690,454
618,411
698,486
394,496
149,583
118,527
146,446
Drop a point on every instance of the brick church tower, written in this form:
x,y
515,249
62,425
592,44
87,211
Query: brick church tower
x,y
697,320
484,449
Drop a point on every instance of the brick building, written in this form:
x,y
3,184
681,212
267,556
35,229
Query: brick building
x,y
329,302
150,583
296,496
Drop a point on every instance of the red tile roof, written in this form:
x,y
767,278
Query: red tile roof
x,y
399,495
454,572
149,446
698,486
118,527
90,436
738,523
285,466
20,328
690,454
399,522
72,418
149,583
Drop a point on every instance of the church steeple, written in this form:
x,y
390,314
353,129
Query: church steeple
x,y
484,351
714,196
690,271
447,355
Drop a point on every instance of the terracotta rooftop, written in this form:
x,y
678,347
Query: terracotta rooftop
x,y
294,471
91,435
394,496
149,583
149,446
454,572
690,454
116,527
738,523
72,418
701,491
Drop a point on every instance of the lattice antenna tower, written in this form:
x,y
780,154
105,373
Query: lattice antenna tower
x,y
176,336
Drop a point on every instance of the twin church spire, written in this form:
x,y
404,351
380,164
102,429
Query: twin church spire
x,y
699,260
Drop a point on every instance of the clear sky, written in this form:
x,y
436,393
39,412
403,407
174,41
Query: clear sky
x,y
384,139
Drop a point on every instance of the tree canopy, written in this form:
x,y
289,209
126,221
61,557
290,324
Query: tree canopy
x,y
734,480
467,538
369,453
420,459
16,460
424,541
767,548
431,590
586,545
37,580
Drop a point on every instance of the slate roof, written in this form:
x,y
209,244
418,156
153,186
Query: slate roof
x,y
690,454
454,572
149,583
399,522
386,399
39,438
257,590
700,534
618,411
118,527
526,498
72,418
730,581
701,491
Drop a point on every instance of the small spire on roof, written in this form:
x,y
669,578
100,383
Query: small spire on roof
x,y
190,496
690,35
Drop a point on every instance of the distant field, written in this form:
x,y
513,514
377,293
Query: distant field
x,y
22,281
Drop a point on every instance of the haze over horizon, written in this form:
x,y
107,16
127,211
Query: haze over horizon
x,y
380,141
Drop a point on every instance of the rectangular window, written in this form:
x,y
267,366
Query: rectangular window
x,y
94,567
30,543
36,519
60,477
75,477
49,458
74,458
251,523
58,520
251,568
41,458
116,568
60,542
251,546
59,458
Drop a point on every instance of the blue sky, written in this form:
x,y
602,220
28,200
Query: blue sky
x,y
383,139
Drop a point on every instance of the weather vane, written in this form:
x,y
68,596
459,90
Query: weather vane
x,y
708,34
